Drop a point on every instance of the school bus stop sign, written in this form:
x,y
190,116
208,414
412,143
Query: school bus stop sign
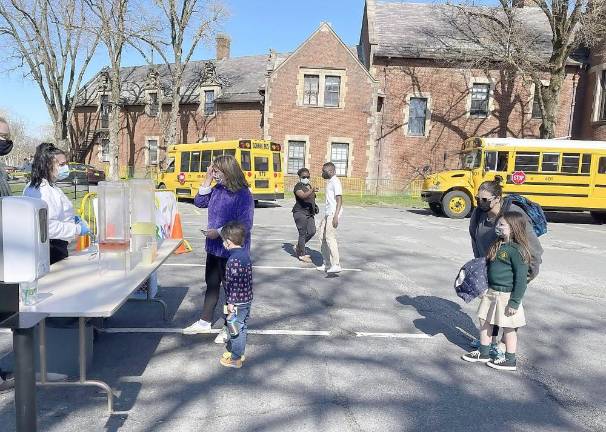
x,y
518,177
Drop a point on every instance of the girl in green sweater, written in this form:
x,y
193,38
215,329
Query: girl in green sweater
x,y
501,305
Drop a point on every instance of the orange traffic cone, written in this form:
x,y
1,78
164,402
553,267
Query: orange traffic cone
x,y
177,234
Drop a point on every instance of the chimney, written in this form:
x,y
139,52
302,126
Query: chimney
x,y
223,46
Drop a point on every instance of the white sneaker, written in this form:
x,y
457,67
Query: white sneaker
x,y
222,337
199,326
322,268
334,269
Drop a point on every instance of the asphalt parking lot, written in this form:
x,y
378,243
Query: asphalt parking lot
x,y
375,349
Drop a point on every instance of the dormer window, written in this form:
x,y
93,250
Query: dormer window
x,y
209,102
153,104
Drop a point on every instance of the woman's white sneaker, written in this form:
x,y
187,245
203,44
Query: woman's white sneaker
x,y
334,269
198,327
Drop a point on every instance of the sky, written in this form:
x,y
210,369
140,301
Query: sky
x,y
254,26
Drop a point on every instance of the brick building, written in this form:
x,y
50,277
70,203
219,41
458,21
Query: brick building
x,y
321,104
383,109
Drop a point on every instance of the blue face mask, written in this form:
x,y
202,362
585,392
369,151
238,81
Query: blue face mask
x,y
63,172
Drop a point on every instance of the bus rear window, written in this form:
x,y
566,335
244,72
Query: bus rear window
x,y
277,162
230,152
245,160
261,163
185,161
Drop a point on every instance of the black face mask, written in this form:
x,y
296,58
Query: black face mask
x,y
5,147
484,205
325,175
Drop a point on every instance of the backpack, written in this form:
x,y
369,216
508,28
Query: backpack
x,y
532,209
472,279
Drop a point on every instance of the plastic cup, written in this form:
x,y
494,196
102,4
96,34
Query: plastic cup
x,y
29,292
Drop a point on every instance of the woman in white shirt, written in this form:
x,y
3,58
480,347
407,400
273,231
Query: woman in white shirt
x,y
49,166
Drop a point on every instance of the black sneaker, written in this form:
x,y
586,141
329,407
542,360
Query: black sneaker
x,y
475,357
502,364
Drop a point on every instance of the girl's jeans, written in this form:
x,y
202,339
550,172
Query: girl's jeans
x,y
237,345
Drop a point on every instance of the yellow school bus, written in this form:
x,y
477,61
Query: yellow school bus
x,y
261,162
557,174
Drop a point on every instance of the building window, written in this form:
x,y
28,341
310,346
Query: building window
x,y
152,152
312,88
209,102
603,97
536,106
154,106
480,95
104,111
380,102
105,150
296,156
417,116
339,155
332,91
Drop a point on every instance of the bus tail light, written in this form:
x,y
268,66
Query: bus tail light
x,y
275,174
249,174
181,178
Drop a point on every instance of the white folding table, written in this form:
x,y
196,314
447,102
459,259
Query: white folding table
x,y
75,288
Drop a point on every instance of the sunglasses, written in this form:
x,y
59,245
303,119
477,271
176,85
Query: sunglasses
x,y
485,200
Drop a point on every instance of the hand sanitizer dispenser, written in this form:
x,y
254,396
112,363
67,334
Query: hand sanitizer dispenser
x,y
24,243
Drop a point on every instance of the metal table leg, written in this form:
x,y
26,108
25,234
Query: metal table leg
x,y
149,298
81,358
25,380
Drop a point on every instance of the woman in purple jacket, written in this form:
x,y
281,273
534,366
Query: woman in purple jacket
x,y
229,200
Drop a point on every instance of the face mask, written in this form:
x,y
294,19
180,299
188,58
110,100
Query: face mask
x,y
5,147
325,175
484,205
499,232
63,172
305,181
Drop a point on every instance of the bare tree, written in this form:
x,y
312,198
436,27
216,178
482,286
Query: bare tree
x,y
25,141
116,23
48,40
183,25
535,38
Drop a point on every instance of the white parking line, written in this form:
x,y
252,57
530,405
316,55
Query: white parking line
x,y
271,332
214,331
394,335
259,267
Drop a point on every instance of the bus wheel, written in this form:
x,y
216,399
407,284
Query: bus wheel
x,y
456,204
161,186
598,217
436,208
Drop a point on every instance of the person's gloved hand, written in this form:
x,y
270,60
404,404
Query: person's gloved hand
x,y
77,219
84,229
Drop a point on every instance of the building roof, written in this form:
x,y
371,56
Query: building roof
x,y
241,79
416,30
